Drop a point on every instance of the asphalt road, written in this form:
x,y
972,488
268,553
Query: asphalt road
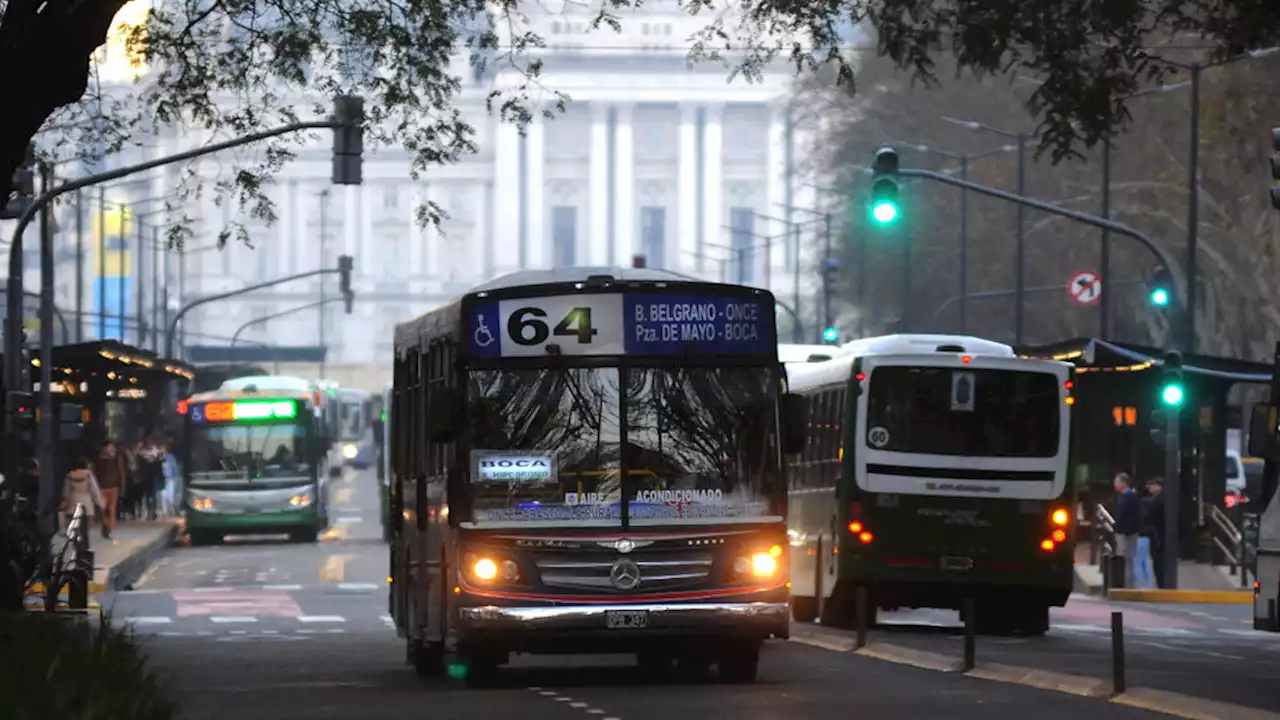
x,y
265,629
1208,651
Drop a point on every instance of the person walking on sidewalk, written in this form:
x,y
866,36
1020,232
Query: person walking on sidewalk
x,y
1153,518
1128,525
79,488
108,468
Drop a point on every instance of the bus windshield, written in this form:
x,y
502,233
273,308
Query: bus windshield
x,y
969,412
236,451
700,445
353,421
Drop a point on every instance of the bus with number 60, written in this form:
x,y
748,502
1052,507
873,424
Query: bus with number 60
x,y
591,460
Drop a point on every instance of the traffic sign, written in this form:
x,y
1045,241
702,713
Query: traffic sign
x,y
1085,287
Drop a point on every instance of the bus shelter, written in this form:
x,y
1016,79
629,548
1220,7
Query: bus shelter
x,y
1119,428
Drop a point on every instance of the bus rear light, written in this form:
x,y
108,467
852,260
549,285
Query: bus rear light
x,y
1060,517
1059,536
855,527
1069,400
966,359
860,377
1047,545
865,537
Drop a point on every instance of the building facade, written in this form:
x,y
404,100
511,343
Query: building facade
x,y
652,156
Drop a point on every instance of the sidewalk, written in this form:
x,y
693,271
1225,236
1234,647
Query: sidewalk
x,y
134,545
1197,583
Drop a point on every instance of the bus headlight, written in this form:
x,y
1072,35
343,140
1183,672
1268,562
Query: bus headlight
x,y
200,503
760,564
485,569
301,500
350,451
488,570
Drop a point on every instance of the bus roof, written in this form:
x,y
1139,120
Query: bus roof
x,y
837,369
791,353
268,382
226,394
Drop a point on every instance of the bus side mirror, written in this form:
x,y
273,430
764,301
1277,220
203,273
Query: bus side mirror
x,y
440,427
795,423
1262,427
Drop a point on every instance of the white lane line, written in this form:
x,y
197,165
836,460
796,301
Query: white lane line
x,y
235,619
577,705
157,620
547,693
595,711
321,618
564,699
281,587
349,520
325,631
211,589
357,586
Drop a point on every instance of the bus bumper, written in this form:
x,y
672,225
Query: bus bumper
x,y
622,627
258,522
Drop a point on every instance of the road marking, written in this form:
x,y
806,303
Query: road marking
x,y
337,532
321,618
150,572
1186,650
325,631
282,587
334,568
358,586
578,705
342,497
234,619
210,589
349,520
150,620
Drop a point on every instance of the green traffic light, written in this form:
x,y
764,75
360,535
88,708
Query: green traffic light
x,y
1160,297
884,212
1172,394
830,334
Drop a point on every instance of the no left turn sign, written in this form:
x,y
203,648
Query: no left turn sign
x,y
1085,287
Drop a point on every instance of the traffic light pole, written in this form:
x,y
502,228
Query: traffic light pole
x,y
235,337
347,121
1162,257
1173,480
173,324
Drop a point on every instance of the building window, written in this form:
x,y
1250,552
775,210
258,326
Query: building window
x,y
395,260
653,235
742,222
564,235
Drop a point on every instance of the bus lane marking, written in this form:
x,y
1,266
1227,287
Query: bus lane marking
x,y
575,704
334,568
342,497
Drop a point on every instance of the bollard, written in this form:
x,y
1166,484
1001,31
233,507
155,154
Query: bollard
x,y
818,599
970,623
1115,573
860,601
1117,652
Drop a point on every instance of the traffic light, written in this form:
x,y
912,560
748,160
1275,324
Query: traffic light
x,y
1275,167
884,187
1159,425
345,265
831,335
21,407
24,187
1172,388
1160,285
348,140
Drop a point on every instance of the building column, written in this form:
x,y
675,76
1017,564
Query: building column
x,y
506,208
537,252
777,193
598,204
687,191
624,184
713,218
422,244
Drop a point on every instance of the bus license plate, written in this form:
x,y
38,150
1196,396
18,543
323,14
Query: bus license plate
x,y
626,619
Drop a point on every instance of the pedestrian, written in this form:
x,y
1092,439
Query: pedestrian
x,y
109,471
1128,524
172,481
79,488
1153,519
1143,577
151,476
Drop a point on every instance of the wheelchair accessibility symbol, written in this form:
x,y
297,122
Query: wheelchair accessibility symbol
x,y
483,336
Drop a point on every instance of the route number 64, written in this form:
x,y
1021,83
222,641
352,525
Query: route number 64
x,y
528,326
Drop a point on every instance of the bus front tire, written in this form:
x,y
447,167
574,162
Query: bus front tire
x,y
804,609
427,659
310,535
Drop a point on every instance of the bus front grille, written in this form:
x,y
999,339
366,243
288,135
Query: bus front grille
x,y
658,571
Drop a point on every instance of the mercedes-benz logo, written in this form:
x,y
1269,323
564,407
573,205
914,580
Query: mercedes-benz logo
x,y
624,546
625,574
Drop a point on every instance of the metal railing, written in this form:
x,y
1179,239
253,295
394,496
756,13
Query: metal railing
x,y
1103,529
1230,542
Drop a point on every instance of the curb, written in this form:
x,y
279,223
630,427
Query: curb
x,y
1207,597
1142,698
126,572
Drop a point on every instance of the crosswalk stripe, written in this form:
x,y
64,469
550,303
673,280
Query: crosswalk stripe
x,y
321,618
282,587
151,620
234,619
357,586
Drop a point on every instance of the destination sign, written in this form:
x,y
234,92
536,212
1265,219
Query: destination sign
x,y
622,324
702,325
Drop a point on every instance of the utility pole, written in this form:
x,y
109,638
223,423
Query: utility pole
x,y
79,336
1020,301
1104,262
320,311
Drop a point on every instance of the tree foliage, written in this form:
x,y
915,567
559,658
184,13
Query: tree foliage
x,y
1239,233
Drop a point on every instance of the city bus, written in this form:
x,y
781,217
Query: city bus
x,y
936,470
384,464
1260,528
591,460
355,428
254,462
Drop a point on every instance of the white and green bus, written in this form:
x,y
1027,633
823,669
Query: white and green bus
x,y
936,470
254,462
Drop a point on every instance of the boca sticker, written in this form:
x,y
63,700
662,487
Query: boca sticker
x,y
491,466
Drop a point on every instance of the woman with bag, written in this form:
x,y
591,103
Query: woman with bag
x,y
79,488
